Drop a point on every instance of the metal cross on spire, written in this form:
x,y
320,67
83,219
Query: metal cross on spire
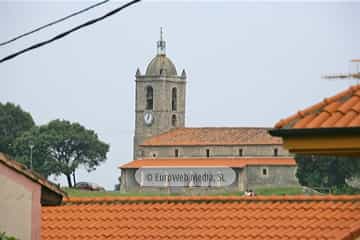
x,y
161,33
161,44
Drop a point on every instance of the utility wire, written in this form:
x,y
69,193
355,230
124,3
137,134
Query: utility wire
x,y
61,35
53,23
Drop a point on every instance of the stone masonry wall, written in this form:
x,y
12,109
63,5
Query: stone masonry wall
x,y
215,151
279,176
250,177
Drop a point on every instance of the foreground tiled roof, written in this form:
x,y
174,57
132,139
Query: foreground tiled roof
x,y
287,217
213,137
238,162
32,175
341,110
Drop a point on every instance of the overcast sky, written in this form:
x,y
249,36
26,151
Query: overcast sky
x,y
248,64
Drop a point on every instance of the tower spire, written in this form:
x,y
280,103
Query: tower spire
x,y
161,44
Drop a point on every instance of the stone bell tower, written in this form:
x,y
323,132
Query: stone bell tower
x,y
160,98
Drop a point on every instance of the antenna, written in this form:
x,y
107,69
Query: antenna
x,y
351,75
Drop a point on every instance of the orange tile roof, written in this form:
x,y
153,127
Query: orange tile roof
x,y
341,110
32,175
238,162
213,137
215,217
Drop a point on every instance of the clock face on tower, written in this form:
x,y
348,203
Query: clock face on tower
x,y
148,118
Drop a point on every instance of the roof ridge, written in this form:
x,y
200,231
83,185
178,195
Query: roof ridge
x,y
144,199
306,111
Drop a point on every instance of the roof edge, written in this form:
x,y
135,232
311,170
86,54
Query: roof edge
x,y
276,132
293,198
30,174
203,145
249,158
304,112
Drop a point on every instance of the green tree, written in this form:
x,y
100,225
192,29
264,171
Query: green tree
x,y
326,171
13,122
42,161
3,236
70,146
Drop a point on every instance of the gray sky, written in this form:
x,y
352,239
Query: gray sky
x,y
248,64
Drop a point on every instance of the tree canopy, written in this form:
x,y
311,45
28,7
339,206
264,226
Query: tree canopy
x,y
326,171
72,146
42,161
13,122
61,147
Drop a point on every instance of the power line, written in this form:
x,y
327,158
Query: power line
x,y
54,22
61,35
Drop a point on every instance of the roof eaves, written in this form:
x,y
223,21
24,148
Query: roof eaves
x,y
231,162
314,131
205,144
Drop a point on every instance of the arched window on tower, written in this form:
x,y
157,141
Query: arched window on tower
x,y
149,98
276,151
173,120
174,99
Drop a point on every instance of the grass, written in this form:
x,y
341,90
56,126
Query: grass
x,y
84,193
279,191
259,191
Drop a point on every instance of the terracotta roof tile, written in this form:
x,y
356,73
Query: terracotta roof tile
x,y
331,121
355,122
347,105
318,120
346,119
356,107
332,107
239,162
205,217
341,110
303,122
213,137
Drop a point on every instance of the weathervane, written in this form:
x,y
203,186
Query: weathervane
x,y
353,76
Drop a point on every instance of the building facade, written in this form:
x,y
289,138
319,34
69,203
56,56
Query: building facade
x,y
212,142
160,98
161,134
239,173
23,193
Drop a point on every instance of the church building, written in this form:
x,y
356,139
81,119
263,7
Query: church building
x,y
163,141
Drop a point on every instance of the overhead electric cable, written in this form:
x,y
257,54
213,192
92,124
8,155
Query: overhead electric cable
x,y
61,35
54,22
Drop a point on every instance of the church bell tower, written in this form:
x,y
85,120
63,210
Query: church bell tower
x,y
160,98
